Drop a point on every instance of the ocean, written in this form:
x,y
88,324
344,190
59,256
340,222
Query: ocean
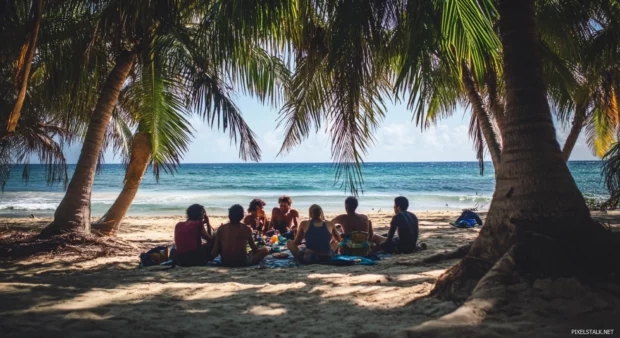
x,y
429,186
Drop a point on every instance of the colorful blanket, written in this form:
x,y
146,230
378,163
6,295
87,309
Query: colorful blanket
x,y
269,262
278,263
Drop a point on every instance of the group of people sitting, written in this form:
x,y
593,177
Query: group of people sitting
x,y
310,241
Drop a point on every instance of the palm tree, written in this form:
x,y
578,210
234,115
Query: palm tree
x,y
163,133
140,33
42,125
535,192
22,69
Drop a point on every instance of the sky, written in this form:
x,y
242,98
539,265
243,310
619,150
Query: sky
x,y
397,140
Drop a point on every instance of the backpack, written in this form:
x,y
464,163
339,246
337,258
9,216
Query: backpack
x,y
355,244
154,256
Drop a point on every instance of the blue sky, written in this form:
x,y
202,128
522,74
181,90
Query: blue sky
x,y
397,140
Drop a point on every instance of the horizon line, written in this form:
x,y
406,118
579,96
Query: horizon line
x,y
373,162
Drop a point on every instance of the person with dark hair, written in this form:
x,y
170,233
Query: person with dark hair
x,y
256,218
320,235
232,240
353,222
406,224
188,236
285,219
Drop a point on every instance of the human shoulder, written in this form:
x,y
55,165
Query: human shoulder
x,y
398,217
339,218
304,224
294,212
246,228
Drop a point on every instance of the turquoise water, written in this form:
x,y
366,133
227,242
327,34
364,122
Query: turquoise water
x,y
429,186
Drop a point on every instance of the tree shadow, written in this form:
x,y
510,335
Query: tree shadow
x,y
114,300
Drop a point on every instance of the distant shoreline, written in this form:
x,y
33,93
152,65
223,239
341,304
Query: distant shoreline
x,y
327,163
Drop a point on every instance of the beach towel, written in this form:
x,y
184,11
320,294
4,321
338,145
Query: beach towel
x,y
343,260
269,262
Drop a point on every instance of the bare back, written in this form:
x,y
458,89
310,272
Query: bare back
x,y
354,222
232,240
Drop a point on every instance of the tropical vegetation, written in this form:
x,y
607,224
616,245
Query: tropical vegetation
x,y
155,62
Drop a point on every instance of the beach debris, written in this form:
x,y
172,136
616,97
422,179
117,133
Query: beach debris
x,y
22,245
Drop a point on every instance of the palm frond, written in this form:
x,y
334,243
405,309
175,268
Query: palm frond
x,y
212,99
467,30
161,113
475,133
611,174
601,128
302,112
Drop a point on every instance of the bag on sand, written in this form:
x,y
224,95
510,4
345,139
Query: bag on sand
x,y
154,256
355,244
468,219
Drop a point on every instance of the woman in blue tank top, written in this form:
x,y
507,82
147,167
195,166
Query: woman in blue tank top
x,y
321,237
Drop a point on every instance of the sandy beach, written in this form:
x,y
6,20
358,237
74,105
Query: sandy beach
x,y
73,295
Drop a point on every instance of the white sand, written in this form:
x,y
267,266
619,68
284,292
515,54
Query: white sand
x,y
71,296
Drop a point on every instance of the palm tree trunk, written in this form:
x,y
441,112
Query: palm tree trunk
x,y
482,116
109,224
73,213
23,67
535,195
578,122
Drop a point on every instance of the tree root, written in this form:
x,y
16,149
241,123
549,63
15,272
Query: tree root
x,y
22,245
458,282
524,272
442,256
584,252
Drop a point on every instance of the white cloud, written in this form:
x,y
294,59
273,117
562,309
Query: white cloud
x,y
270,139
395,136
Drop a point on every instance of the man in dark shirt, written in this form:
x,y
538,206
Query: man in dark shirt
x,y
188,237
406,224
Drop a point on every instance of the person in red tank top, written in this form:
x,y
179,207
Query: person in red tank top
x,y
188,237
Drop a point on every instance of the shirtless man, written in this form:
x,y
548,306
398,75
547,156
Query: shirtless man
x,y
352,221
256,217
231,241
285,219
